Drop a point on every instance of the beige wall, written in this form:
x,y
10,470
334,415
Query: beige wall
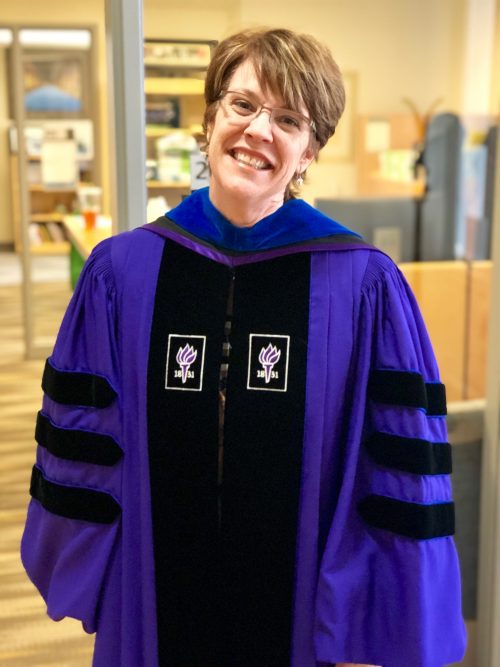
x,y
54,13
5,199
396,48
187,20
495,84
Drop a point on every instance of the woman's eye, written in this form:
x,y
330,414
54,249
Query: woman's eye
x,y
289,122
243,106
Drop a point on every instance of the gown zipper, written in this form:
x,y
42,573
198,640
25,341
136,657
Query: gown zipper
x,y
223,371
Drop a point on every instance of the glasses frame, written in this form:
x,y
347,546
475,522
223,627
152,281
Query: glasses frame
x,y
261,107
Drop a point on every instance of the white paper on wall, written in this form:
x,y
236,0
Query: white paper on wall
x,y
377,136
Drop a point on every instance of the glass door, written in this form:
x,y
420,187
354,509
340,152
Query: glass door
x,y
52,152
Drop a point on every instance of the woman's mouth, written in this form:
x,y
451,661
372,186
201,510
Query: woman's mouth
x,y
250,160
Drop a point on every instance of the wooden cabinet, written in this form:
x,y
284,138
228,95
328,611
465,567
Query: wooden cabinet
x,y
454,298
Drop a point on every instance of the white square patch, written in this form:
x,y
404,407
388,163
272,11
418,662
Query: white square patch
x,y
268,362
185,362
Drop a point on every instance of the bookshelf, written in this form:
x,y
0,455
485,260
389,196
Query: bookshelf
x,y
174,86
51,96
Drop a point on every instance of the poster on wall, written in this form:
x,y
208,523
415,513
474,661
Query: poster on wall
x,y
53,85
80,130
163,112
174,54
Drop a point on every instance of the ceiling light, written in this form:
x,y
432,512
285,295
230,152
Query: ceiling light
x,y
72,39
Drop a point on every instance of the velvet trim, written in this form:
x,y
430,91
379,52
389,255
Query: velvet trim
x,y
436,399
415,520
73,502
76,388
75,444
263,448
183,437
402,388
295,221
222,533
413,455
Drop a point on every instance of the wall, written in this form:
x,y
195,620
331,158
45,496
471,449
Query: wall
x,y
6,235
396,48
495,84
190,19
54,13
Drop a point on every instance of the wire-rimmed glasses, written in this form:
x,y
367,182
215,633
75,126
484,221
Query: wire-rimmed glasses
x,y
242,108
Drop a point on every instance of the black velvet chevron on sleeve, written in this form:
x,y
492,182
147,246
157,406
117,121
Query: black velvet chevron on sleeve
x,y
75,444
436,398
412,455
407,389
415,520
76,388
397,388
73,502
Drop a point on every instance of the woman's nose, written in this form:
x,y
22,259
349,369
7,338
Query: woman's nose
x,y
261,127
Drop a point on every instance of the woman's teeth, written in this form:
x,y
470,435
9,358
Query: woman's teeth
x,y
254,162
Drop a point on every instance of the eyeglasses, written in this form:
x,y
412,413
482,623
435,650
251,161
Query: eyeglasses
x,y
241,108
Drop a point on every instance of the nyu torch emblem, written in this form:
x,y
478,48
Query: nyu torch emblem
x,y
185,362
268,358
186,356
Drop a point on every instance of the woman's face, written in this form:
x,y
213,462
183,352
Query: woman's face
x,y
253,160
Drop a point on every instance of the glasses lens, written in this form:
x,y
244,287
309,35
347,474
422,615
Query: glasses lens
x,y
289,121
241,108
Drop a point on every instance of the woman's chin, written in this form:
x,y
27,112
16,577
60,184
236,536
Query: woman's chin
x,y
239,187
242,183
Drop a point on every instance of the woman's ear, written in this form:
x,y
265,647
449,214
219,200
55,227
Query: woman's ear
x,y
210,127
306,159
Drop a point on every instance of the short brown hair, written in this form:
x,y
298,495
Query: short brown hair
x,y
296,66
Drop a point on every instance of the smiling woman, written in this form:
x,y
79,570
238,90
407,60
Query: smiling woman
x,y
254,157
243,458
274,76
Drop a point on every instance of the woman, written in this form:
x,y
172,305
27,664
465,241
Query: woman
x,y
288,504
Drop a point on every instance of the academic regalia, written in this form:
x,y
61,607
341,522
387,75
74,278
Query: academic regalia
x,y
324,534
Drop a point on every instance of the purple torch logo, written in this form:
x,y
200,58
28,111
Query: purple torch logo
x,y
185,357
268,357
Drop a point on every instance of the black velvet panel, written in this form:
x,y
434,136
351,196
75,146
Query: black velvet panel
x,y
73,502
413,455
421,522
183,426
406,389
436,399
76,445
71,388
262,459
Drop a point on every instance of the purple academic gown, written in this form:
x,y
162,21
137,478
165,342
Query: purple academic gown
x,y
323,535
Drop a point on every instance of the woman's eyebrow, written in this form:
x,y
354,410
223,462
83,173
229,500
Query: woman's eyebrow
x,y
245,91
258,97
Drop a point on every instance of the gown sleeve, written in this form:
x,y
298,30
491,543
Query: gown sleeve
x,y
74,512
389,585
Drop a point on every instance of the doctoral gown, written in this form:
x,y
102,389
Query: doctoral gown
x,y
306,520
